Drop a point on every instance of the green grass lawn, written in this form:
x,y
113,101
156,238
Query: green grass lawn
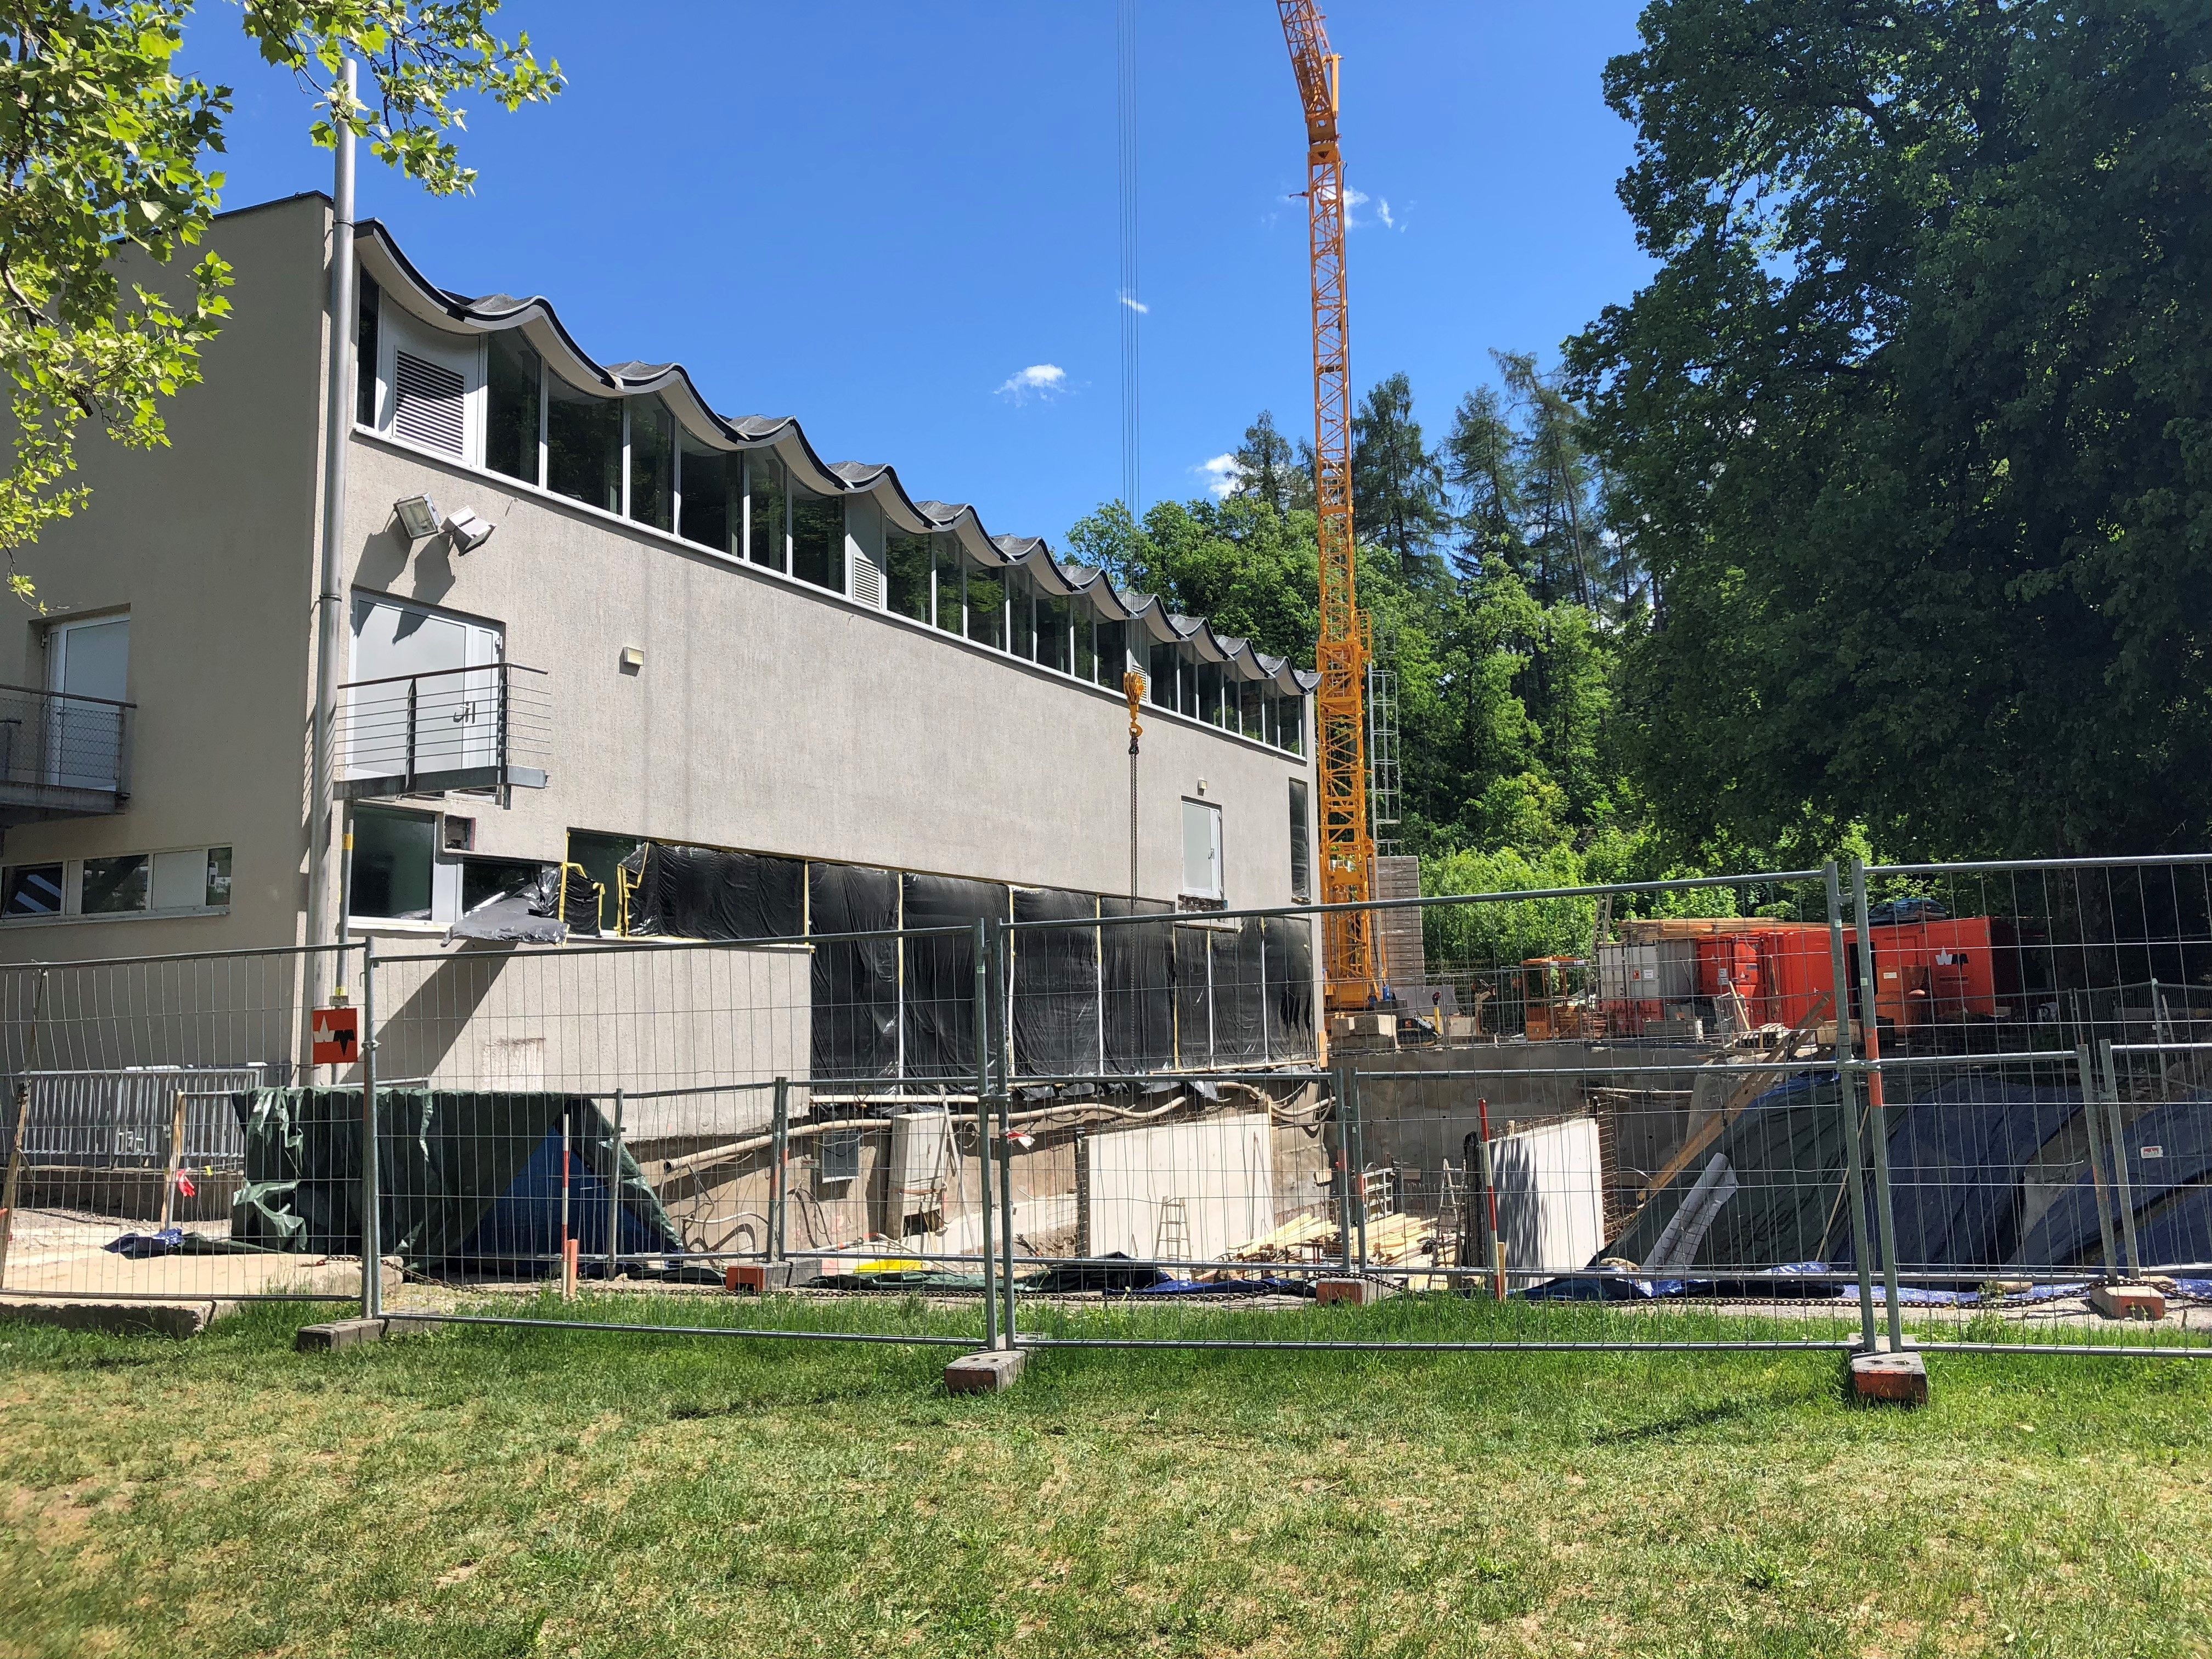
x,y
502,1492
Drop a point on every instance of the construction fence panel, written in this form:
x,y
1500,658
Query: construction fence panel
x,y
605,1133
131,1172
2038,1066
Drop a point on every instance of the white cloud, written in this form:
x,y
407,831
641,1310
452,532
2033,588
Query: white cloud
x,y
1222,475
1135,304
1382,212
1045,380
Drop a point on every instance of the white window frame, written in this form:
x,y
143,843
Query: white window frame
x,y
1219,891
72,908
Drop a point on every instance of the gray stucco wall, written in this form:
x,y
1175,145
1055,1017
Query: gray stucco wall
x,y
209,545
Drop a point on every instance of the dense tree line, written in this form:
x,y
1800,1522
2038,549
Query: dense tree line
x,y
1880,520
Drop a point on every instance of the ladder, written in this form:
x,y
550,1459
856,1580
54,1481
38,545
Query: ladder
x,y
1173,1242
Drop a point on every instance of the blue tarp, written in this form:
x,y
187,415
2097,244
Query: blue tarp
x,y
2171,1203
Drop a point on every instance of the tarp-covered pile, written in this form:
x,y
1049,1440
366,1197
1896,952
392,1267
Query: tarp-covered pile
x,y
467,1181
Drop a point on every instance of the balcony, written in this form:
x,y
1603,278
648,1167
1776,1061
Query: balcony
x,y
455,728
61,755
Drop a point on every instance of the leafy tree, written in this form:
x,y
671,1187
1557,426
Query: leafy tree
x,y
1267,470
1482,462
101,152
1915,421
1397,483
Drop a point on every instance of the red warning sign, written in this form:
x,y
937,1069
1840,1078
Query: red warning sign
x,y
336,1036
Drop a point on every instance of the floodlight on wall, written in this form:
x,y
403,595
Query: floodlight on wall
x,y
418,516
468,529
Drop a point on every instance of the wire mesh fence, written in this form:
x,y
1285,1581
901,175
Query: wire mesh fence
x,y
1822,1108
126,1153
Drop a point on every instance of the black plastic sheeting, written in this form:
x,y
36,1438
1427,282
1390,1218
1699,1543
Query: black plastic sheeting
x,y
1786,1153
1138,968
2169,1194
940,972
1055,989
527,912
1958,1162
699,892
468,1180
1238,965
1193,1028
855,982
1289,1003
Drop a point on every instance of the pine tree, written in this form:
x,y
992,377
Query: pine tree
x,y
1397,483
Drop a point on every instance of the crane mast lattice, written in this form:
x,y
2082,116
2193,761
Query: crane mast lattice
x,y
1353,950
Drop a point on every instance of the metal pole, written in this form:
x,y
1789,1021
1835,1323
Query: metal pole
x,y
1493,1253
2123,1184
1848,1104
372,1194
567,1289
779,1171
983,1149
2097,1178
1358,1162
1342,1136
1002,942
329,619
614,1193
1877,1118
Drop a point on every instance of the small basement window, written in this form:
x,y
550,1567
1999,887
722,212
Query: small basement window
x,y
117,886
31,889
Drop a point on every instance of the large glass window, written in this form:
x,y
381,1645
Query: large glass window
x,y
1082,620
1052,632
907,562
987,606
1209,693
818,538
771,511
1022,608
365,348
1160,671
1301,844
1112,653
710,489
651,463
583,445
1290,725
1249,693
393,856
951,600
1185,684
512,386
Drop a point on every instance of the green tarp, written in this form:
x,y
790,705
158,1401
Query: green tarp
x,y
465,1178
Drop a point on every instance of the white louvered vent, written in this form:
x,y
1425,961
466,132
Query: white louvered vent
x,y
429,408
867,580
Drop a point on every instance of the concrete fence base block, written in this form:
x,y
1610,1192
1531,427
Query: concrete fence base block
x,y
2128,1301
120,1318
1357,1291
337,1334
1895,1379
989,1371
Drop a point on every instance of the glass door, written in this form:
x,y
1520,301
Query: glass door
x,y
84,740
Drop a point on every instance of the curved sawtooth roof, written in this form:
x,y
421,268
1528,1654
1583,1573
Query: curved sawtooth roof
x,y
381,255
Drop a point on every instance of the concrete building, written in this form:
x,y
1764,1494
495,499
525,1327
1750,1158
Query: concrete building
x,y
586,611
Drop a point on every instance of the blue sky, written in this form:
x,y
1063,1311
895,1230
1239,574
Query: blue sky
x,y
877,216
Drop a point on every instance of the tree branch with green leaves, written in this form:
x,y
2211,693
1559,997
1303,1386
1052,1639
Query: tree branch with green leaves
x,y
104,148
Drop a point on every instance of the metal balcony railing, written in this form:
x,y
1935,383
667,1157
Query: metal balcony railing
x,y
61,755
455,728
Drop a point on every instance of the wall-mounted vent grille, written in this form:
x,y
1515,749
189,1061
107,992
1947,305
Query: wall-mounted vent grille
x,y
429,408
867,580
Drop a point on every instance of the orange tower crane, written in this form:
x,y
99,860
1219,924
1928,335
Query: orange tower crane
x,y
1352,946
